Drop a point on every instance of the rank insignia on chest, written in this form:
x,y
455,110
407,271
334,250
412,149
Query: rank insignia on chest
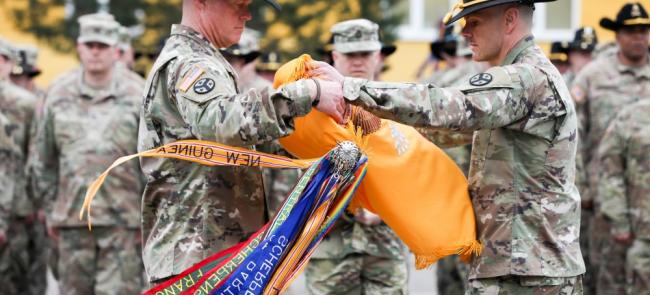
x,y
204,86
480,79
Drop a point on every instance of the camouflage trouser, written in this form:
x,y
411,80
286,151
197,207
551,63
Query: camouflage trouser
x,y
514,285
14,260
452,276
589,278
38,254
357,274
105,260
638,268
611,272
599,232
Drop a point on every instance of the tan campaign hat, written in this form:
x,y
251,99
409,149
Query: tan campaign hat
x,y
356,35
26,65
98,27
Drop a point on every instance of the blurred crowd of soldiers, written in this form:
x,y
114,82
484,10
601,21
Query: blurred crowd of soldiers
x,y
54,142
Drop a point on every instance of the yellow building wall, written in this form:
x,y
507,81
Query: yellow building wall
x,y
51,62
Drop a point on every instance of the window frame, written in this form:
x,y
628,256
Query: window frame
x,y
414,29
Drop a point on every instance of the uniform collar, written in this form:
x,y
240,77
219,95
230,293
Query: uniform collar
x,y
519,48
642,71
94,94
185,31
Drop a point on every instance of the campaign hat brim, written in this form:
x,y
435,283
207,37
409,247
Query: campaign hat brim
x,y
274,4
612,25
487,4
388,50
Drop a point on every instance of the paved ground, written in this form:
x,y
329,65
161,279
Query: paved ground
x,y
421,282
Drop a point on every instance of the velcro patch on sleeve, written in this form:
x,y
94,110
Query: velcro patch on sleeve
x,y
190,78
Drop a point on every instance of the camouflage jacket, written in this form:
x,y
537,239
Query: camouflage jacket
x,y
601,90
256,82
192,211
624,189
523,157
81,132
18,106
459,74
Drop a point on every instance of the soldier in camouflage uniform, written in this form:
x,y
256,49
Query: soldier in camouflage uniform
x,y
17,107
601,90
89,119
243,57
523,156
192,211
361,255
32,242
581,54
624,191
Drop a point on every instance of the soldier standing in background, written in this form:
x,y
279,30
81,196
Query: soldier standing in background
x,y
89,119
16,108
361,254
601,90
35,236
624,191
581,54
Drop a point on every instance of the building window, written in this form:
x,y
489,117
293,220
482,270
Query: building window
x,y
556,21
553,21
421,18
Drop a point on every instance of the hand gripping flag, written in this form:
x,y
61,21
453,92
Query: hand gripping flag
x,y
269,261
411,184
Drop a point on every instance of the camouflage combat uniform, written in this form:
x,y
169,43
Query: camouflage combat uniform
x,y
191,211
601,90
624,189
17,108
522,169
83,130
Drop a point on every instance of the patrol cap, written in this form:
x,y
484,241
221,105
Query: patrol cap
x,y
585,39
248,47
632,14
269,62
465,7
124,38
26,65
356,35
559,52
98,27
7,50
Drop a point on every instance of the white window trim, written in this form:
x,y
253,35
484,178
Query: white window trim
x,y
549,35
415,30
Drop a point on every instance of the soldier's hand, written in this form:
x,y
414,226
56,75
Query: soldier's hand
x,y
625,238
366,217
325,71
331,98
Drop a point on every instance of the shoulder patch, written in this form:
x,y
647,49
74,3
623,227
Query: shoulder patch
x,y
194,74
204,86
481,79
578,94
